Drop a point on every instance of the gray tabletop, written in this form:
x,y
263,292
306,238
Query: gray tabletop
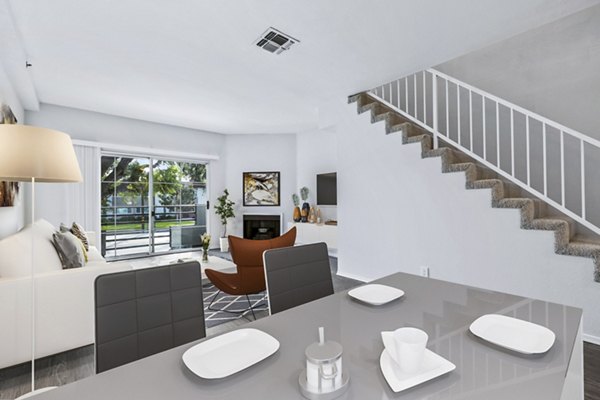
x,y
442,309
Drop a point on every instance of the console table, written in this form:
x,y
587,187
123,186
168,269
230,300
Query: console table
x,y
308,233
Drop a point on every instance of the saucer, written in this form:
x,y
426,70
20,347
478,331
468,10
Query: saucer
x,y
433,366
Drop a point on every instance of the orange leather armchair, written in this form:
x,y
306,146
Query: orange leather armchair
x,y
247,255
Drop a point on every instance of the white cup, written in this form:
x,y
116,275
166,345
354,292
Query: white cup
x,y
410,348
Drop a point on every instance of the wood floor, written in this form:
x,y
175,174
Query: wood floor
x,y
77,364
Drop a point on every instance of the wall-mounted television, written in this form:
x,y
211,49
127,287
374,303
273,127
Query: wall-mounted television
x,y
327,189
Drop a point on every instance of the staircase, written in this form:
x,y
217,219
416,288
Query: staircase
x,y
506,193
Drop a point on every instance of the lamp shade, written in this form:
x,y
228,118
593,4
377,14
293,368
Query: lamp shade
x,y
28,152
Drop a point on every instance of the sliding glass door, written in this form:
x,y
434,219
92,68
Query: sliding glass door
x,y
151,205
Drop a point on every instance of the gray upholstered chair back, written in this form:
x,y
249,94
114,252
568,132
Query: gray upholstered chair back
x,y
297,275
146,311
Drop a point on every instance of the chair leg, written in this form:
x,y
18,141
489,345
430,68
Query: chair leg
x,y
251,307
213,300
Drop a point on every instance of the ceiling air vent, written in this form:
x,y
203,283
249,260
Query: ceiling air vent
x,y
275,41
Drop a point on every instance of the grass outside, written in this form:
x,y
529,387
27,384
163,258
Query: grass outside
x,y
137,226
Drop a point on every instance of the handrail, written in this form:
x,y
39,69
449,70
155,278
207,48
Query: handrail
x,y
418,97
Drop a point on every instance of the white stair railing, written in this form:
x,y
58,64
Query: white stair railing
x,y
553,162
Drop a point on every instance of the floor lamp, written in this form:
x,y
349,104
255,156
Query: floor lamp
x,y
33,154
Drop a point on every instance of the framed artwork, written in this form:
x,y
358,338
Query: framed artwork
x,y
261,189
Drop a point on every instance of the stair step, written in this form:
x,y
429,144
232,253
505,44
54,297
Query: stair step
x,y
496,185
515,202
469,168
417,139
368,107
486,184
549,224
581,249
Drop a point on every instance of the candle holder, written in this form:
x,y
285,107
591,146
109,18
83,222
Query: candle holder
x,y
324,377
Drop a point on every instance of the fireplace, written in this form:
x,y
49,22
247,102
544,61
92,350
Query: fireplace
x,y
260,226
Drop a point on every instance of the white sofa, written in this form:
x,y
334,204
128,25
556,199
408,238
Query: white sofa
x,y
64,299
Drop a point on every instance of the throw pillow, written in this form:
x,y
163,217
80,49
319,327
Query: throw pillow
x,y
64,228
79,232
69,250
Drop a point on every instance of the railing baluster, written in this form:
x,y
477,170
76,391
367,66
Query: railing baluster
x,y
545,159
471,147
447,110
415,94
424,97
562,168
406,94
527,145
484,128
582,179
398,94
458,114
498,134
435,110
512,141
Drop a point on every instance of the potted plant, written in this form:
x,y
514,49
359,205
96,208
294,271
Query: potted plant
x,y
224,209
305,205
297,215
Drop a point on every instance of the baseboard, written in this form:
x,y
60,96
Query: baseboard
x,y
355,277
591,339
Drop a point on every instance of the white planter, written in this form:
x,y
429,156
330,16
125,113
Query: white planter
x,y
224,243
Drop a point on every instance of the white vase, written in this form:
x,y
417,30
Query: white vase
x,y
224,243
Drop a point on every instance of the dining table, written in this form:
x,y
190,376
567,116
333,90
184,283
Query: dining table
x,y
442,309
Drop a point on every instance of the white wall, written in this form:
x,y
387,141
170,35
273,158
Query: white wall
x,y
551,70
96,127
255,153
399,212
238,154
11,218
316,153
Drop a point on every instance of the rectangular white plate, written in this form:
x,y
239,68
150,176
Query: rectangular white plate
x,y
433,366
375,294
514,334
229,353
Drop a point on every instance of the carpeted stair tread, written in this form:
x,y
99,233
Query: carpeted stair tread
x,y
532,210
549,224
417,139
486,184
368,107
515,202
582,249
469,168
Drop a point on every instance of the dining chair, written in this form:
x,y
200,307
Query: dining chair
x,y
249,278
146,311
297,275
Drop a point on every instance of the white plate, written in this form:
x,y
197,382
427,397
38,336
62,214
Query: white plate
x,y
514,334
433,366
376,294
229,353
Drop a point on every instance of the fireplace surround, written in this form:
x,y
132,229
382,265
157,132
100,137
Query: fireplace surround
x,y
262,226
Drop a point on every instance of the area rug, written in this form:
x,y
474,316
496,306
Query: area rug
x,y
230,303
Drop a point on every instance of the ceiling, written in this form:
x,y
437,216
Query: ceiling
x,y
192,63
